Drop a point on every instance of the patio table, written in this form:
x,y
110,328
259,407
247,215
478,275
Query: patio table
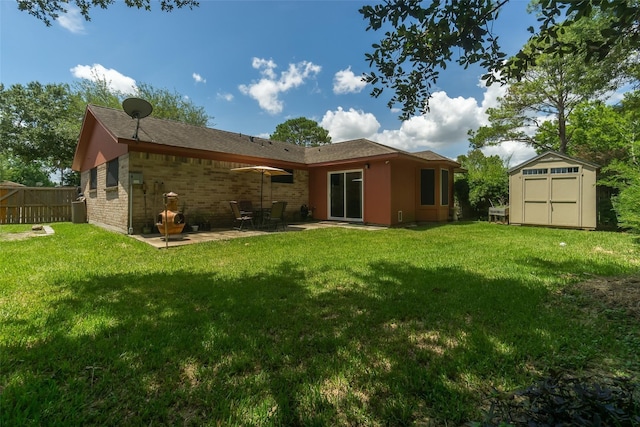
x,y
260,216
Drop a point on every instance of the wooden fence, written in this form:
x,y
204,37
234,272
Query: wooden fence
x,y
34,205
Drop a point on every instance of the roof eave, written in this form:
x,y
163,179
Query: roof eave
x,y
552,152
171,150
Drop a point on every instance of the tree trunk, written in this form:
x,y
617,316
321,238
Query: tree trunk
x,y
562,131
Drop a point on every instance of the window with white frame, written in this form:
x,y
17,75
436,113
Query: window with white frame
x,y
539,171
570,169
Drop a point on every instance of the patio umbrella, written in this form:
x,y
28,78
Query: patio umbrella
x,y
262,170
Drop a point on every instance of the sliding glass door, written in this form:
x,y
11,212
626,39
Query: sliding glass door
x,y
345,195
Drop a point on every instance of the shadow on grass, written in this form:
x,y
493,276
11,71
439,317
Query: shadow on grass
x,y
397,345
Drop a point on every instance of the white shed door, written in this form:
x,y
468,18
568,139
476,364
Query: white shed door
x,y
564,200
551,200
535,195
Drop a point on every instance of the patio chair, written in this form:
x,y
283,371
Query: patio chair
x,y
277,215
246,207
240,217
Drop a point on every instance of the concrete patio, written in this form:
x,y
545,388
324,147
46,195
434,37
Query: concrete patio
x,y
157,240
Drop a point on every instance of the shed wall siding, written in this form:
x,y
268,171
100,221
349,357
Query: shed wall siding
x,y
562,199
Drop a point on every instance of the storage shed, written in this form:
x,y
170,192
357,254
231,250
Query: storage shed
x,y
555,190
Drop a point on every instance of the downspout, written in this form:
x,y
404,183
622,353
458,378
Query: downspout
x,y
130,205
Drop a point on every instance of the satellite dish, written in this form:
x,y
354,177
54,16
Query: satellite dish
x,y
138,109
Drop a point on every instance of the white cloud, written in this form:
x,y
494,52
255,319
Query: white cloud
x,y
492,95
198,78
72,20
114,79
345,81
224,96
443,129
268,89
345,125
511,151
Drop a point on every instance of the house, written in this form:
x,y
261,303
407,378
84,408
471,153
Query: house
x,y
553,189
123,178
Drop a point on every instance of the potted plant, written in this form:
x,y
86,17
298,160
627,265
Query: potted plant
x,y
197,221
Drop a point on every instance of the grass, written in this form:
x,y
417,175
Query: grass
x,y
322,327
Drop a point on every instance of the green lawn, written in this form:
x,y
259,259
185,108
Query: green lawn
x,y
323,327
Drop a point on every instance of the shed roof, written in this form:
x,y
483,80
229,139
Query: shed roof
x,y
10,184
552,155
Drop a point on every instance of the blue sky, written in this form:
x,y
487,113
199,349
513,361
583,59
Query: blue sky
x,y
255,64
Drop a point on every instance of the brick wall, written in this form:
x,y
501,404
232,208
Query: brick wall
x,y
107,206
204,188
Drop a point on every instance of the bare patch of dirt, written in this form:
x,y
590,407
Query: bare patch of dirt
x,y
34,232
614,292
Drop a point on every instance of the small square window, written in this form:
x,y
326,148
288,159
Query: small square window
x,y
283,179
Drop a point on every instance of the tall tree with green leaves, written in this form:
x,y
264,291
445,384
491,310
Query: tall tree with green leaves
x,y
173,106
541,102
301,131
421,38
619,127
31,174
485,184
166,104
96,91
50,10
38,124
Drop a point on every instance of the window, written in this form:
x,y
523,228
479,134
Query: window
x,y
541,171
444,187
112,173
571,169
283,179
93,179
427,187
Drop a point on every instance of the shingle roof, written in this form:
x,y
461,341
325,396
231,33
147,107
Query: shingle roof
x,y
176,134
429,155
356,148
182,135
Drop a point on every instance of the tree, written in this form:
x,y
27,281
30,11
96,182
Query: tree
x,y
622,125
602,133
485,183
166,104
422,41
536,108
301,131
96,91
40,124
37,124
173,106
50,10
31,174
